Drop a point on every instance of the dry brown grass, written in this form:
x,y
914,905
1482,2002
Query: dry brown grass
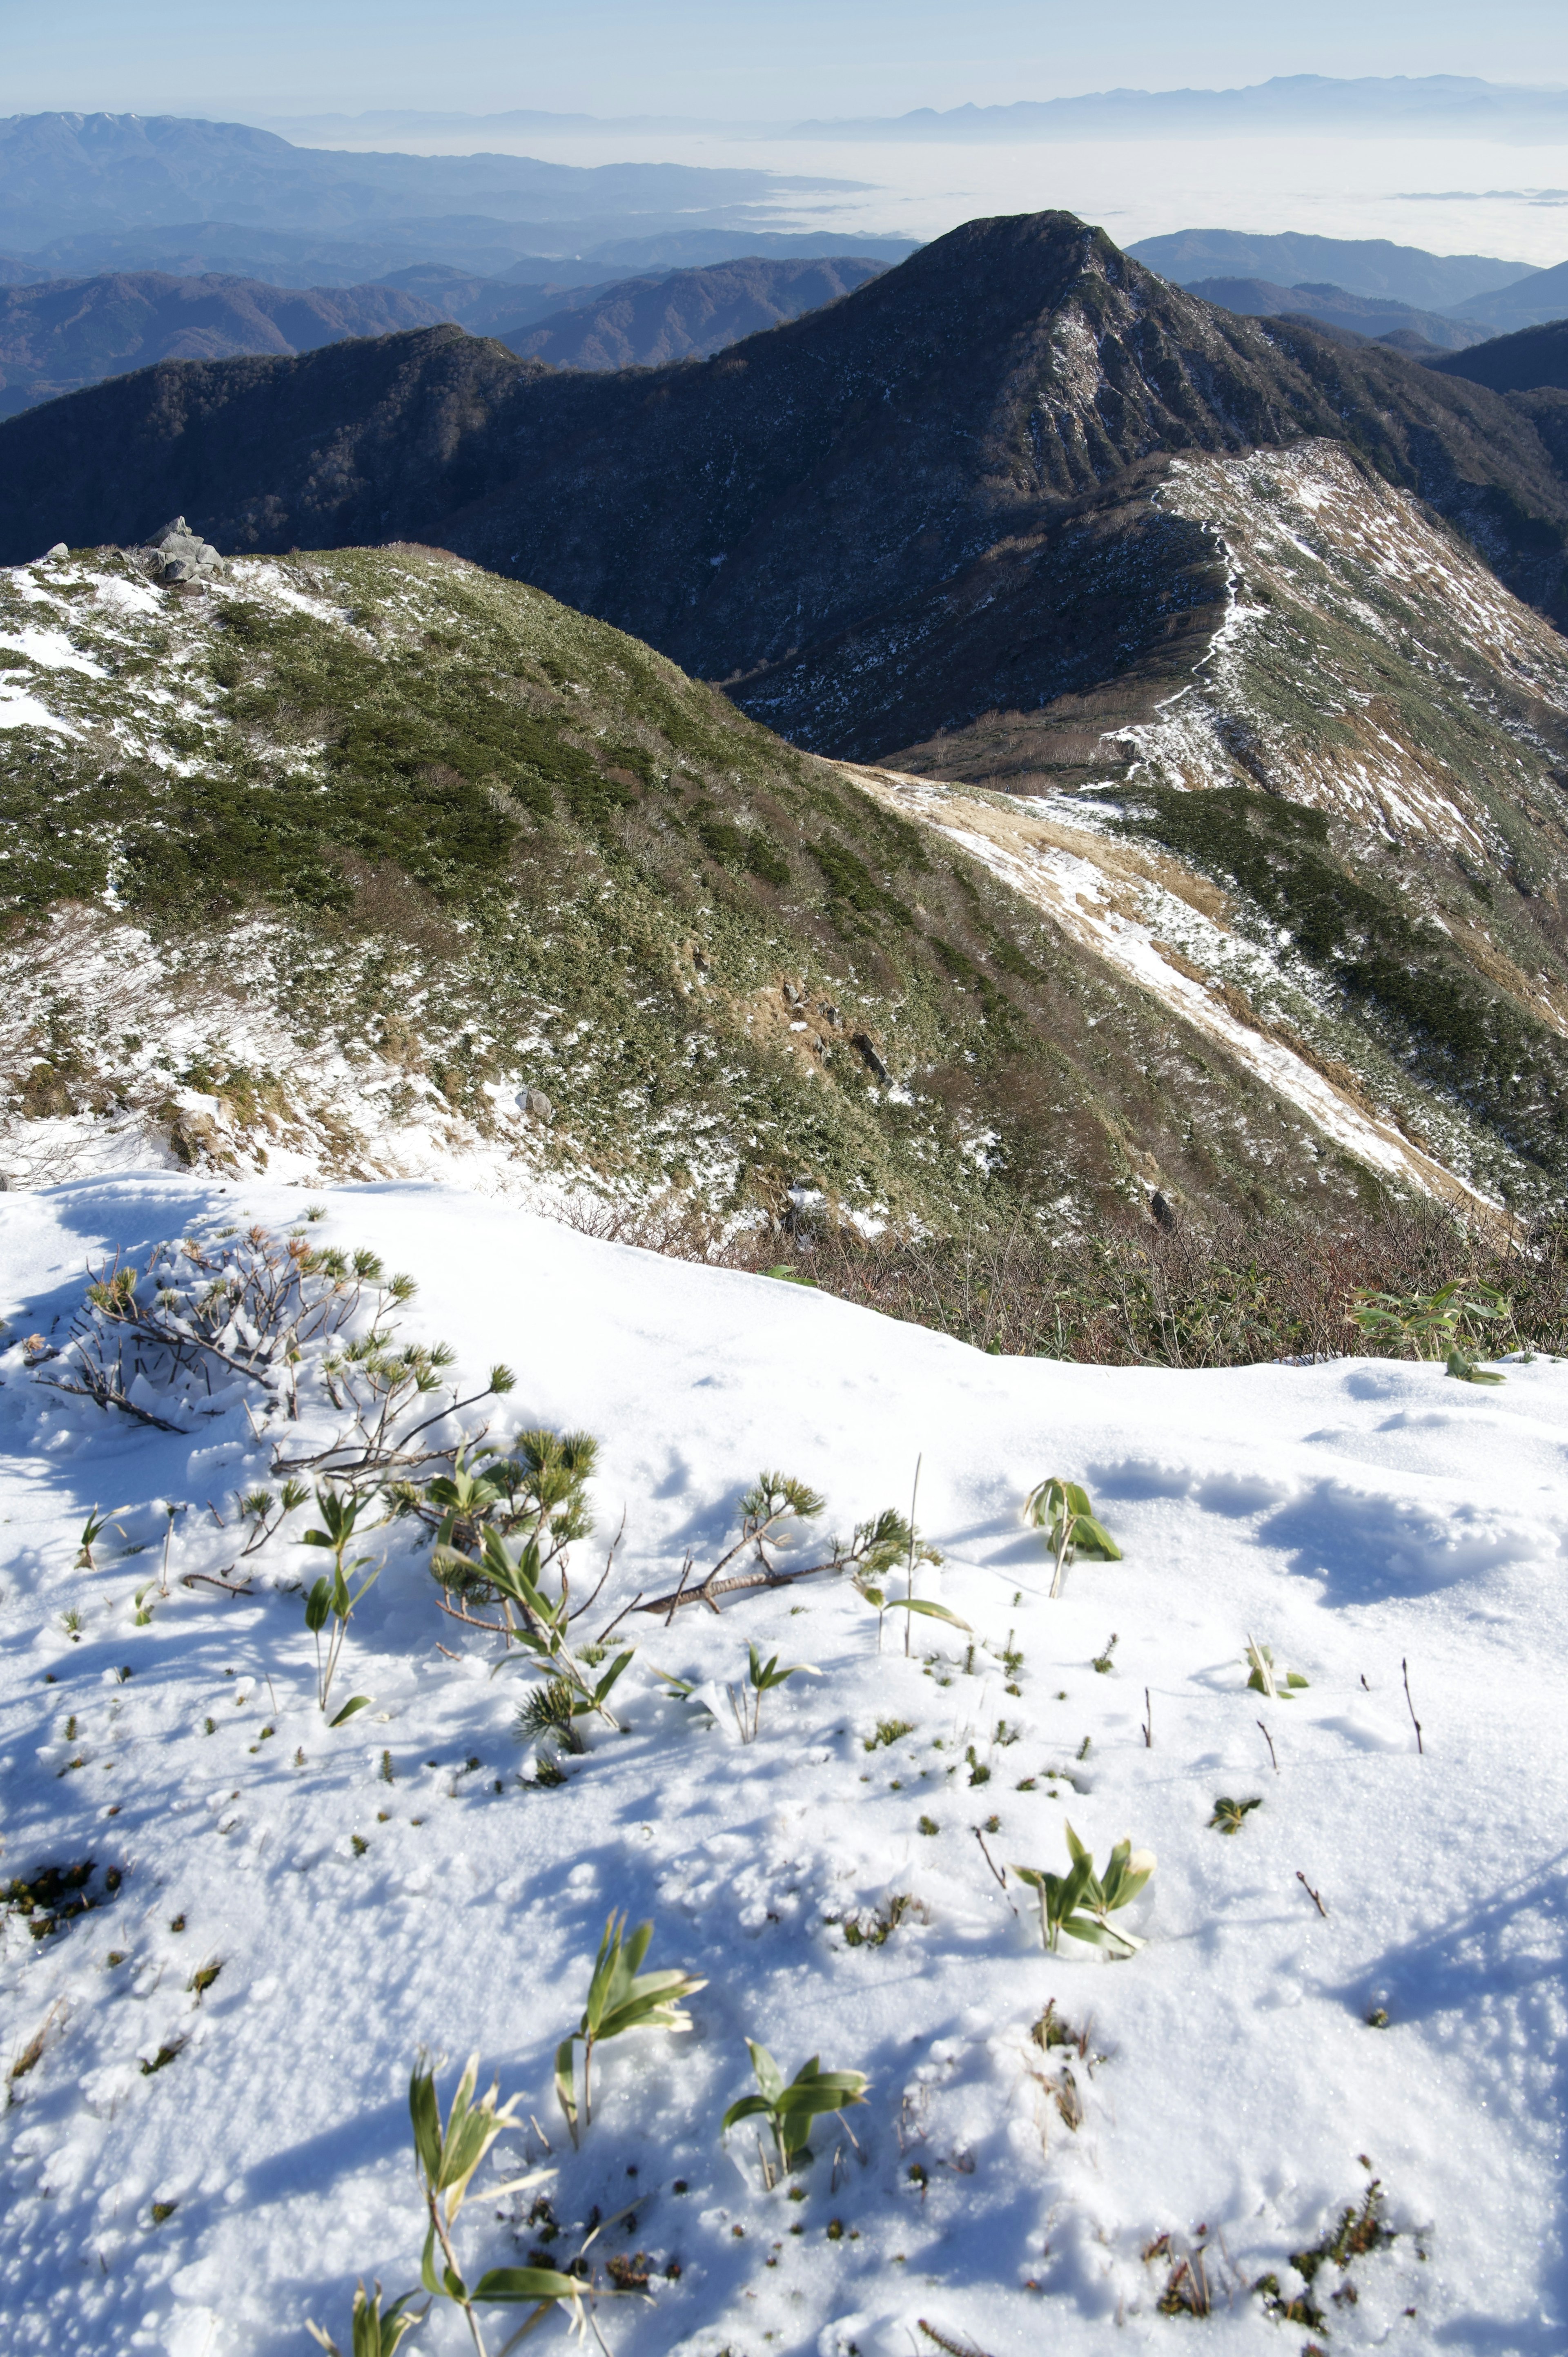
x,y
1228,1291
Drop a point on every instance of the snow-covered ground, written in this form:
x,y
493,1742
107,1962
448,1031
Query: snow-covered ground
x,y
394,1882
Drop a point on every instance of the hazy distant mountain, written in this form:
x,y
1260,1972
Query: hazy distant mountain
x,y
1517,363
1363,315
1454,106
71,332
688,314
461,247
1362,265
1529,303
64,174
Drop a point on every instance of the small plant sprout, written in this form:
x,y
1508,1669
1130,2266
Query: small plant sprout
x,y
620,1998
1080,1903
761,1677
789,2110
330,1598
1102,1663
375,2333
1230,1815
447,2158
1467,1369
1064,1511
93,1531
1280,1685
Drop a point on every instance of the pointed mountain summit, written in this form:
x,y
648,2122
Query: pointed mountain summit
x,y
875,525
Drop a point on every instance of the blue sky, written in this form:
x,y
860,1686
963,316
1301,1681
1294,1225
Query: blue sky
x,y
728,57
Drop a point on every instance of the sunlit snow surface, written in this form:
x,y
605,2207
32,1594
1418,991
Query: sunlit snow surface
x,y
1350,1516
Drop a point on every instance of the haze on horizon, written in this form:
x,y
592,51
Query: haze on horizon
x,y
730,59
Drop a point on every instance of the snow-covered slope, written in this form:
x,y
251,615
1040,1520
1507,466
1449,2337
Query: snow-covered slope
x,y
200,2170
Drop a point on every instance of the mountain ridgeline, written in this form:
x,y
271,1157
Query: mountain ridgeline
x,y
874,524
1209,836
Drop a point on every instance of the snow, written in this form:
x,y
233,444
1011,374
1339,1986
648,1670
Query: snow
x,y
1352,1516
51,651
20,710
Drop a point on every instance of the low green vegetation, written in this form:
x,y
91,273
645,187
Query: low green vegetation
x,y
427,819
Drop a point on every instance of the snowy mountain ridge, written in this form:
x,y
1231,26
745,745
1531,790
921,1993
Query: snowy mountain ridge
x,y
281,897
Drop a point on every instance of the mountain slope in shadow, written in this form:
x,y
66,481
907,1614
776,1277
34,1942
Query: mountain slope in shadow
x,y
882,521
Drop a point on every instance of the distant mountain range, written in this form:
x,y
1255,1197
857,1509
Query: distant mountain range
x,y
689,314
1535,357
81,194
1362,265
461,248
1452,106
70,332
67,333
1360,315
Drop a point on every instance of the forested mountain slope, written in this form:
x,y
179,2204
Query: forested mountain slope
x,y
976,428
70,332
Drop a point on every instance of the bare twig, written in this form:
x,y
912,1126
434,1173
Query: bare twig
x,y
680,1588
991,1862
1269,1740
1411,1706
1148,1722
910,1584
1312,1894
211,1580
620,1616
609,1564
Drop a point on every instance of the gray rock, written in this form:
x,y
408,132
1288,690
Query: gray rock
x,y
60,549
176,554
869,1055
535,1105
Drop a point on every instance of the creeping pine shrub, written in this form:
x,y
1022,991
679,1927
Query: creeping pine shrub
x,y
773,1514
789,2110
537,1492
620,1998
880,1549
1063,1511
1080,1903
155,1342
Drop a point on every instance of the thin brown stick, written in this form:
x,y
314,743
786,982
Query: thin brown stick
x,y
609,1564
991,1862
1269,1740
211,1580
1148,1722
620,1616
1312,1894
1411,1706
681,1588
